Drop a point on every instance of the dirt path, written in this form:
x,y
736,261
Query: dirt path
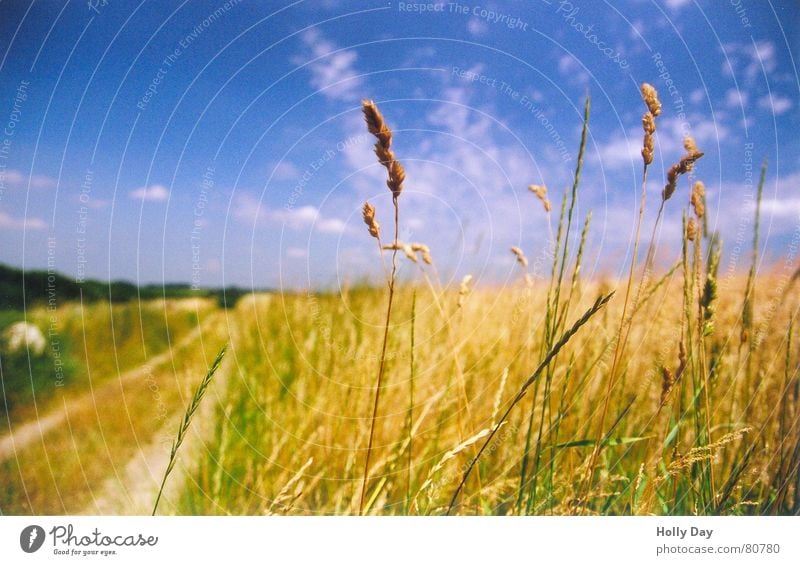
x,y
132,490
23,435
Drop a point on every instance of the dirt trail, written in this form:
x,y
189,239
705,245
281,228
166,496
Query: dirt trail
x,y
133,489
25,434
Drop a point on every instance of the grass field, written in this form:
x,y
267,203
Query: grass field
x,y
674,390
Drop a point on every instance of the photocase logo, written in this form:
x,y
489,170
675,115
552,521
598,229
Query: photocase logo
x,y
31,539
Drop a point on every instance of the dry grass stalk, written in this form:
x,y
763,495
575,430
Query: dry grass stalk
x,y
541,193
499,397
704,452
556,348
453,453
286,497
377,127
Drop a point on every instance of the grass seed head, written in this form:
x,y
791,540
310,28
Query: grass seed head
x,y
698,199
404,247
691,230
376,125
368,213
648,146
681,167
651,99
424,251
541,193
520,255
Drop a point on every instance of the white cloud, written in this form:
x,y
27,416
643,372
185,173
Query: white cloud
x,y
570,67
331,225
285,170
152,193
620,151
9,222
775,103
332,70
297,217
296,253
781,208
477,27
735,98
247,209
677,4
752,59
14,177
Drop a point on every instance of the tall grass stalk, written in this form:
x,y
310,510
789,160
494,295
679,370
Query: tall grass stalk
x,y
187,420
551,354
376,125
552,321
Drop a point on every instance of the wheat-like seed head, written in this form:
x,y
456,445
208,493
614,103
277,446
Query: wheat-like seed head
x,y
651,99
424,251
698,192
649,145
368,213
691,230
404,247
541,193
520,255
376,125
681,167
649,121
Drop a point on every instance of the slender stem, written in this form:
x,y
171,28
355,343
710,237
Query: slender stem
x,y
620,341
411,403
382,364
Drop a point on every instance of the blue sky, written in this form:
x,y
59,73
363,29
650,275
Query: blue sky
x,y
222,142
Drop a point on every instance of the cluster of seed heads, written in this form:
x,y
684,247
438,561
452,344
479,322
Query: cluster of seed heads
x,y
681,167
541,193
377,127
649,121
520,255
410,251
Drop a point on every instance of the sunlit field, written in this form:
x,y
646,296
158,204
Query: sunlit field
x,y
672,390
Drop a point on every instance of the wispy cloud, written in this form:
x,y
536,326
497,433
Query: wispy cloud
x,y
15,177
248,210
677,4
152,193
776,104
332,70
12,223
750,58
